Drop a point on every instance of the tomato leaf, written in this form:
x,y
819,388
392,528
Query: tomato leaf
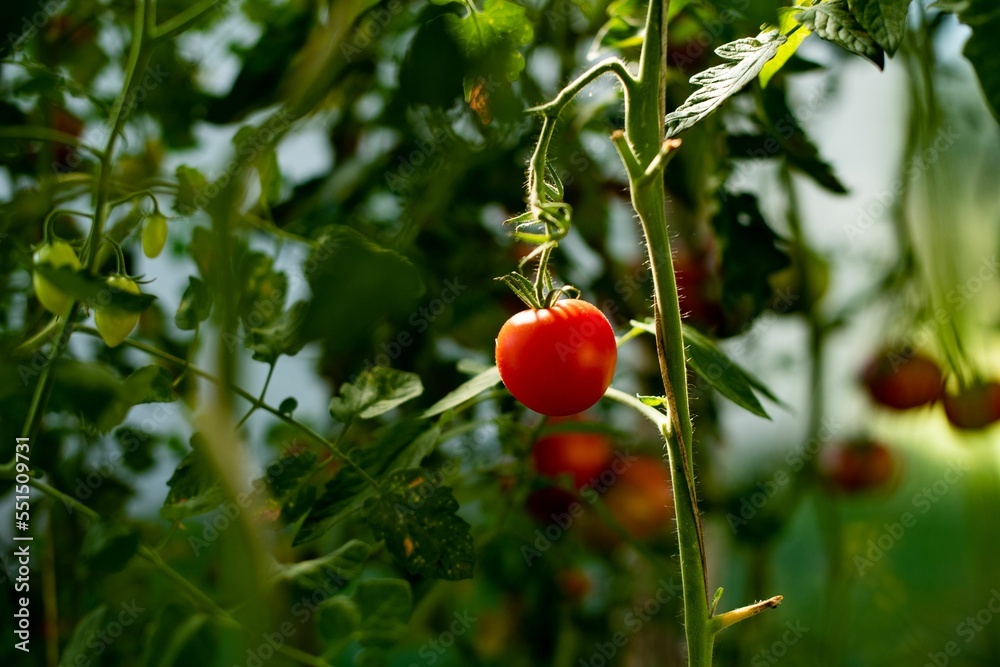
x,y
176,629
746,58
284,337
723,374
191,185
345,563
786,22
984,19
93,290
195,306
403,444
465,391
491,36
338,617
384,606
149,384
833,21
885,20
418,521
96,393
375,391
83,633
194,489
284,474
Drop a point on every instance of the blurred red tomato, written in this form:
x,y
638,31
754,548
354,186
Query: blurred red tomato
x,y
578,454
856,466
974,407
641,499
903,380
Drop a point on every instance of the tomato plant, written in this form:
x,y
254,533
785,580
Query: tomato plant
x,y
154,235
580,455
975,407
558,360
56,254
902,380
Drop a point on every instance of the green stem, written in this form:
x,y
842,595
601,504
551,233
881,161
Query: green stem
x,y
263,393
46,134
246,395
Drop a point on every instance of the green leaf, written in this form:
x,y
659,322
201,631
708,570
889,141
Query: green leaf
x,y
93,290
885,20
717,84
283,337
191,185
107,548
345,563
786,22
491,36
375,391
653,401
262,289
288,405
76,650
723,374
338,618
149,384
465,391
195,306
283,475
194,489
355,285
833,21
384,606
984,19
403,444
173,631
417,519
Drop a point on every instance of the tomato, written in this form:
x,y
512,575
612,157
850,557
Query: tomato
x,y
641,499
903,380
574,583
974,408
114,324
856,466
55,254
154,235
582,456
560,360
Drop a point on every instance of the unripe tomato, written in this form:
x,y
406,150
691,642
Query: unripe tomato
x,y
974,408
582,456
641,498
856,466
903,380
154,235
560,360
56,254
114,324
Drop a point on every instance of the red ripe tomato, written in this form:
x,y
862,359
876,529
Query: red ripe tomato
x,y
856,466
560,360
582,456
974,408
903,380
641,499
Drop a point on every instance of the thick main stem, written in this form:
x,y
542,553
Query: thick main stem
x,y
644,118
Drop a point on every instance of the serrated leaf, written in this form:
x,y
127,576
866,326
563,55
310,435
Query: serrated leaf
x,y
786,24
338,617
375,391
97,394
418,521
93,290
491,36
283,337
403,444
82,633
195,306
284,474
833,21
344,564
885,20
468,390
746,57
194,489
721,373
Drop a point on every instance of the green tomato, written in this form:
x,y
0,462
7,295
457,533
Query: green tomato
x,y
154,235
115,324
55,254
